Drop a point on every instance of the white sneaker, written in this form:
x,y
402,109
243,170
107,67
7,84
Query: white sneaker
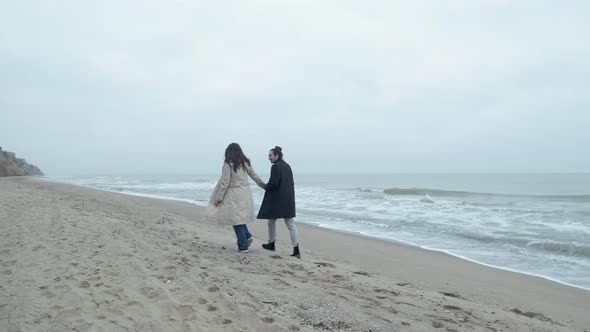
x,y
250,240
245,250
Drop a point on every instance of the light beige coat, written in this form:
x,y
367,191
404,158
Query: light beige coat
x,y
233,190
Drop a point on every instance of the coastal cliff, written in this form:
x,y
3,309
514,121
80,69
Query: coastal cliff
x,y
10,165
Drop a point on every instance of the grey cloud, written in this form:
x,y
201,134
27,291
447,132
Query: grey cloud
x,y
150,86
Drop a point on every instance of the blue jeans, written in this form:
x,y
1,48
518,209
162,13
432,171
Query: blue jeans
x,y
243,235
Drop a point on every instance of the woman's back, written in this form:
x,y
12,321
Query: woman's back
x,y
240,177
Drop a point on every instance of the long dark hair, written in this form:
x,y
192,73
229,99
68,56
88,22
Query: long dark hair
x,y
235,156
277,151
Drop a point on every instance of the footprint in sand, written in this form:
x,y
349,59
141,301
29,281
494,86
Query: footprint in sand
x,y
150,293
47,293
282,282
213,288
267,320
186,311
323,264
9,263
296,267
362,273
95,278
184,261
449,294
381,290
226,321
249,305
276,257
529,314
202,301
211,308
451,307
43,317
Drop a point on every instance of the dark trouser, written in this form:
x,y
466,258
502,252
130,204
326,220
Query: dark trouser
x,y
243,235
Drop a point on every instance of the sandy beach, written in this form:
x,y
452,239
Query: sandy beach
x,y
79,259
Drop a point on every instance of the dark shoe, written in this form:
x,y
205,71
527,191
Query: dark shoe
x,y
269,246
296,252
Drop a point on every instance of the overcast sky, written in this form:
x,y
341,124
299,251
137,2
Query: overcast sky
x,y
162,86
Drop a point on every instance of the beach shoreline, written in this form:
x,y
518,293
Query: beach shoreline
x,y
357,233
88,254
418,247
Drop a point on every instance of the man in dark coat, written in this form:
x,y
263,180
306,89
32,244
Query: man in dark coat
x,y
279,200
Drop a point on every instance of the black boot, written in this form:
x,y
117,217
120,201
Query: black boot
x,y
296,252
270,246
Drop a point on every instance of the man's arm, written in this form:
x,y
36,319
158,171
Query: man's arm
x,y
275,179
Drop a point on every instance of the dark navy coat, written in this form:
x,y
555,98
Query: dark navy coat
x,y
279,198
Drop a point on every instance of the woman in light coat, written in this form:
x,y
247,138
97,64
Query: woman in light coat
x,y
231,202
